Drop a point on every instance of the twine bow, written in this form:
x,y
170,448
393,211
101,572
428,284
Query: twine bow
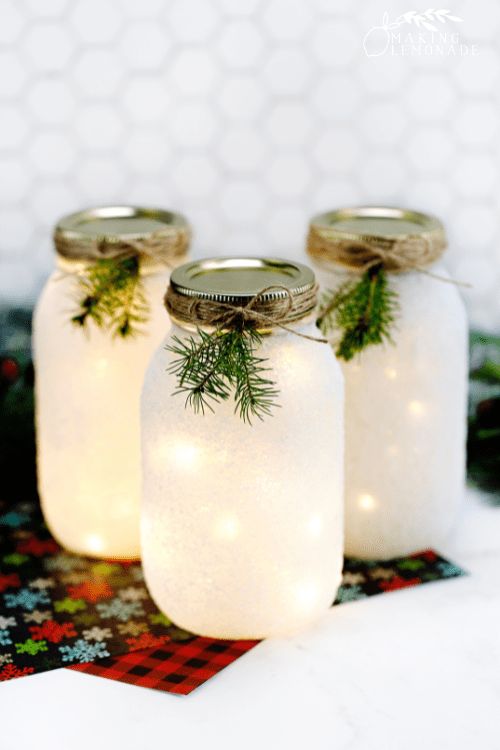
x,y
266,307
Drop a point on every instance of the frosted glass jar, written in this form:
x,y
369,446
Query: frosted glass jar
x,y
88,385
242,526
405,404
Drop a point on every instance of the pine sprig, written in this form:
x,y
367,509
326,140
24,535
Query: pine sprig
x,y
215,365
112,296
363,313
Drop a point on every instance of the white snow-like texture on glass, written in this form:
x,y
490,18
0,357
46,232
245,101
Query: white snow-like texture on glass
x,y
406,417
242,526
87,389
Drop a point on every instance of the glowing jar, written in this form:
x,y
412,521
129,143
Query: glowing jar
x,y
405,401
242,525
88,380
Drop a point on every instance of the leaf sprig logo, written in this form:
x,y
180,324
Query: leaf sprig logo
x,y
417,33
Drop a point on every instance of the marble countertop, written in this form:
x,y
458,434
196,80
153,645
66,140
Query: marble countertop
x,y
418,668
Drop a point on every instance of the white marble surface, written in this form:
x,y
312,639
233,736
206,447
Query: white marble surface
x,y
414,669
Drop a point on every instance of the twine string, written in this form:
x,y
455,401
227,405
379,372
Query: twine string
x,y
276,312
411,253
164,246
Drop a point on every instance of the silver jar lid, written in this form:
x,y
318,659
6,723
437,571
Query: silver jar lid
x,y
110,231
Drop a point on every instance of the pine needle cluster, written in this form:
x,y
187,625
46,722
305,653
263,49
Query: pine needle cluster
x,y
112,296
215,365
363,313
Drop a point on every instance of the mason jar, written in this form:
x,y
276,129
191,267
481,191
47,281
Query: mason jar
x,y
88,374
405,398
242,524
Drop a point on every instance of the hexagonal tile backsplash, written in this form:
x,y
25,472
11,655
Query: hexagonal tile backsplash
x,y
248,116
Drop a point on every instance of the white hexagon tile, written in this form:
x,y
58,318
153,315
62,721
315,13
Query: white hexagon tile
x,y
248,116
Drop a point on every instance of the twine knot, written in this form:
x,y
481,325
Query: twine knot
x,y
272,306
166,246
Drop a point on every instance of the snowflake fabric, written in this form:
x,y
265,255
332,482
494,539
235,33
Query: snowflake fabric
x,y
397,582
147,640
8,581
10,671
350,594
52,631
69,605
351,579
37,616
7,622
411,564
5,639
86,618
132,594
119,609
83,651
92,591
382,573
5,659
105,569
31,647
448,570
64,563
97,634
15,559
158,618
26,599
75,576
42,583
37,547
13,519
132,628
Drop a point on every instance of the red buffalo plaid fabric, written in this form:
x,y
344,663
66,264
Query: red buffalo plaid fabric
x,y
175,667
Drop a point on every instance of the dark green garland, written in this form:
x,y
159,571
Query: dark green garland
x,y
112,296
361,312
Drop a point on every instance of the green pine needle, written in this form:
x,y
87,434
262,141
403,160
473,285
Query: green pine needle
x,y
214,366
112,296
362,312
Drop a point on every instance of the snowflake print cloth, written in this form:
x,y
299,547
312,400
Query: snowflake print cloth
x,y
64,610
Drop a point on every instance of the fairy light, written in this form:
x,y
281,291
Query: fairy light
x,y
416,408
367,502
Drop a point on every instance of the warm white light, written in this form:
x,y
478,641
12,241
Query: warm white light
x,y
88,387
391,373
306,595
315,525
417,408
94,544
367,502
239,539
185,455
101,366
227,528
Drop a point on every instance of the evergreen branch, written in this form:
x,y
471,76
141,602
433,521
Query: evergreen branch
x,y
255,394
112,296
210,368
362,312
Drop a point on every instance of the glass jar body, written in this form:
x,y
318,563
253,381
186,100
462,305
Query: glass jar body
x,y
406,406
242,526
87,388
